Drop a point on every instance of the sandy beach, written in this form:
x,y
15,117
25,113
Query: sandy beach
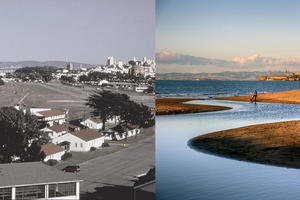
x,y
176,106
274,143
291,96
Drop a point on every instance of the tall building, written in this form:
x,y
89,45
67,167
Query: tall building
x,y
70,66
110,60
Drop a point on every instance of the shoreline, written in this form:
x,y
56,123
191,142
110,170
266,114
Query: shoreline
x,y
272,143
172,106
290,96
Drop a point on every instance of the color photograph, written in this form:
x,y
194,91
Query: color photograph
x,y
227,88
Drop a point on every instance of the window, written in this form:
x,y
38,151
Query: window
x,y
75,144
30,192
62,189
81,145
5,193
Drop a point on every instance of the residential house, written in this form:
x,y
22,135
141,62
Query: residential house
x,y
56,130
50,116
121,132
52,151
93,123
81,140
35,180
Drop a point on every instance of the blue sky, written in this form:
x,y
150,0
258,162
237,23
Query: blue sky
x,y
227,29
76,30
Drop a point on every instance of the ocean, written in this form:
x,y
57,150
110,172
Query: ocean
x,y
210,88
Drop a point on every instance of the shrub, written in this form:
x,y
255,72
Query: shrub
x,y
105,144
51,162
66,156
93,149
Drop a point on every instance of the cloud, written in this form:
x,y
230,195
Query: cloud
x,y
181,59
254,61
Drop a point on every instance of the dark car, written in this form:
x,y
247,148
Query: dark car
x,y
72,168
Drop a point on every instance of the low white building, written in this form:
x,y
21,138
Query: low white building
x,y
56,130
52,151
50,116
35,180
121,132
93,123
81,140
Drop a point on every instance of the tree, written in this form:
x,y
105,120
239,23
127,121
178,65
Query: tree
x,y
106,104
20,136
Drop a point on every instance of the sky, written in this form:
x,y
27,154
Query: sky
x,y
232,35
76,30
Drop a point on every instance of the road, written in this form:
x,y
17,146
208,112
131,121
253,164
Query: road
x,y
118,168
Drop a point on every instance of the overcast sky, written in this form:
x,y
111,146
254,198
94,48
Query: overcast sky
x,y
241,35
76,30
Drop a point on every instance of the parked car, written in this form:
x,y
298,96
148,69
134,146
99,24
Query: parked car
x,y
72,168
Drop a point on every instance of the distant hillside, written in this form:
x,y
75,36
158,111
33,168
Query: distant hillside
x,y
32,63
216,76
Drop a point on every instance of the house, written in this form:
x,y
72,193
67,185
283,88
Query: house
x,y
81,140
50,116
121,131
35,180
56,130
52,151
93,123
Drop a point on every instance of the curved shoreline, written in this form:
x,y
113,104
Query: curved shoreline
x,y
291,97
171,106
273,143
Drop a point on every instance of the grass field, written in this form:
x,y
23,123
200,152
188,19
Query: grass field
x,y
57,95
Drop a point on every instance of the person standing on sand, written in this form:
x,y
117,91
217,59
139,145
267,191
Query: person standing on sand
x,y
254,96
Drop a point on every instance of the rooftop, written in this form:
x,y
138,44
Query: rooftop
x,y
52,112
59,128
29,173
51,148
96,120
87,134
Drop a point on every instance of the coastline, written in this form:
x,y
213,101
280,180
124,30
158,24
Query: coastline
x,y
291,97
273,143
171,106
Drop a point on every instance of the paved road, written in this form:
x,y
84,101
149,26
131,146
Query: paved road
x,y
118,168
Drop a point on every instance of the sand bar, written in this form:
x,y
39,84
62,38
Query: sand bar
x,y
173,106
291,96
273,143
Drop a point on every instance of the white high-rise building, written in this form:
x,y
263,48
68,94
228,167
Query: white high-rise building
x,y
70,66
110,60
145,59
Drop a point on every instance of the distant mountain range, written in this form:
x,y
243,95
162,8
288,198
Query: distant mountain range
x,y
32,63
217,76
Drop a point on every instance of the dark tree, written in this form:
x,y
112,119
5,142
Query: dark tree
x,y
1,82
20,136
106,104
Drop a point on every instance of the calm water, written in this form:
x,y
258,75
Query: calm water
x,y
186,174
220,88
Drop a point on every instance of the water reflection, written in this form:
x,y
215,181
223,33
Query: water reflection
x,y
184,173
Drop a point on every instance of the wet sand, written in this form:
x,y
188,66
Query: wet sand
x,y
291,96
173,106
273,143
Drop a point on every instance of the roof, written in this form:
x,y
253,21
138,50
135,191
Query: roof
x,y
96,120
52,112
51,148
87,134
29,173
59,128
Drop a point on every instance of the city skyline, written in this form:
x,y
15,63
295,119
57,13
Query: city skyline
x,y
219,36
76,31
